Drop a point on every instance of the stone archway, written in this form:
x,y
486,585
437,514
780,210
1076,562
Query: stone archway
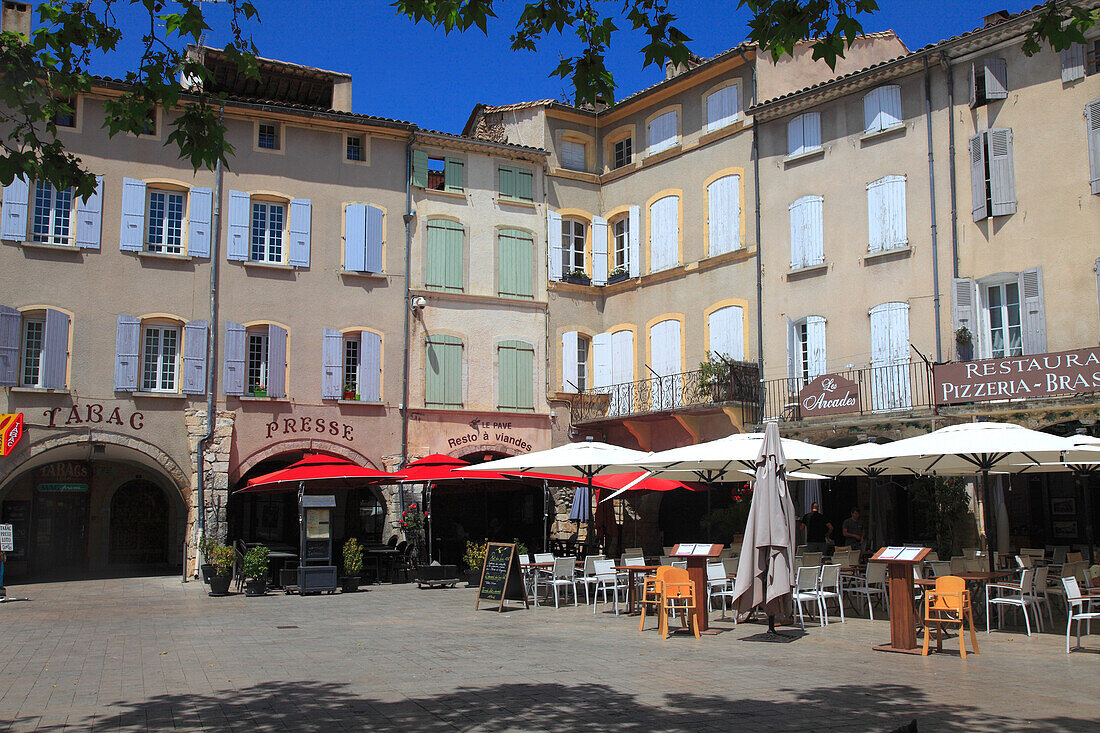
x,y
138,524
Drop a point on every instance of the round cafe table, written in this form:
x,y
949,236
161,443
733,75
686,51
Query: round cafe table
x,y
632,576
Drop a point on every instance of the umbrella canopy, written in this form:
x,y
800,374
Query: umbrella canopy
x,y
765,570
723,459
438,468
313,469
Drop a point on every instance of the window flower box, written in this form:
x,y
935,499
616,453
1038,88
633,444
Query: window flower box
x,y
259,391
577,277
617,276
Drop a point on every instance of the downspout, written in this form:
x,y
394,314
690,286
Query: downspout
x,y
932,204
759,265
408,218
951,164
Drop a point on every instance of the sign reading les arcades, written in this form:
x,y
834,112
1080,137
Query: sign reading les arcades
x,y
1018,377
828,394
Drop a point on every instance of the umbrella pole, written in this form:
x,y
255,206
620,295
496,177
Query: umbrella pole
x,y
591,515
1086,506
431,518
545,497
709,522
990,522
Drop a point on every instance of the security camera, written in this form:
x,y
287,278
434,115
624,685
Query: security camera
x,y
419,303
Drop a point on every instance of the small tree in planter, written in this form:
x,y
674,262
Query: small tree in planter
x,y
221,557
714,376
255,571
206,547
964,344
353,566
474,558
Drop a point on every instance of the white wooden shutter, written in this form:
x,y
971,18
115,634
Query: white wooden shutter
x,y
811,131
886,213
1073,63
798,233
332,364
794,352
724,214
964,294
132,233
1033,315
599,250
890,388
299,234
815,346
237,239
726,328
996,79
572,155
663,244
633,240
569,369
812,244
876,215
199,211
127,348
795,135
662,132
553,245
89,218
236,355
977,177
1002,178
664,352
276,361
195,340
10,321
13,225
370,367
889,106
872,109
601,360
1096,269
723,107
55,349
355,237
1092,124
622,372
973,86
375,238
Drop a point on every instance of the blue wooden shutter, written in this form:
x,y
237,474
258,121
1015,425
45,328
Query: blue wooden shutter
x,y
237,239
1033,312
194,357
89,218
236,354
13,225
569,366
453,170
10,320
599,250
370,367
127,346
1002,177
420,169
276,361
199,210
131,237
375,238
553,245
996,79
300,211
332,364
355,237
633,241
55,349
977,177
1092,125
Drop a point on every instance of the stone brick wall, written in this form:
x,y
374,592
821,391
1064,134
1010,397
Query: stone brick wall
x,y
215,476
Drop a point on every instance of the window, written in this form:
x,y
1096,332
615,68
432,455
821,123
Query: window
x,y
437,173
886,214
582,363
574,362
352,365
573,155
65,115
666,361
890,384
988,81
804,134
572,247
160,358
620,257
723,106
1002,307
1092,58
355,148
663,132
1004,313
1092,124
613,370
664,233
257,362
444,266
34,348
806,349
52,214
34,331
164,230
514,183
726,332
150,126
882,108
622,152
267,231
516,376
267,136
807,247
364,238
517,264
443,378
724,215
992,178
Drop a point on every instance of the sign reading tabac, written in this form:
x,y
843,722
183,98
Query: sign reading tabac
x,y
828,394
11,430
1018,377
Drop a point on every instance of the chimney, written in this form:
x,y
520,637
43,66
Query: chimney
x,y
994,18
16,18
673,70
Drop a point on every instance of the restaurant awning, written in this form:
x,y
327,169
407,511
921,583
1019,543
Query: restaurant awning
x,y
315,468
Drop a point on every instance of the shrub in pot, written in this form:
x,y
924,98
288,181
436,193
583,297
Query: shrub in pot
x,y
353,566
206,545
221,558
255,571
474,558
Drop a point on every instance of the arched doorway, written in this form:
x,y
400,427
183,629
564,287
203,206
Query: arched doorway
x,y
139,525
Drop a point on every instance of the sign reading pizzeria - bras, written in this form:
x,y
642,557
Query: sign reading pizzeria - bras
x,y
1018,377
828,394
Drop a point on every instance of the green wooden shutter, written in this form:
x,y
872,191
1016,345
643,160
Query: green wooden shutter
x,y
452,175
515,372
443,383
516,264
420,169
506,375
523,185
507,177
443,269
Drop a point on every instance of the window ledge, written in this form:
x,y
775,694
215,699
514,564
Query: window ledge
x,y
505,201
56,247
163,256
267,265
665,154
250,398
364,273
807,271
622,170
886,132
885,255
39,390
440,193
374,403
164,395
584,176
818,152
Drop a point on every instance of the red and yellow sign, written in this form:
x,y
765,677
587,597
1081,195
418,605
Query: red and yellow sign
x,y
11,430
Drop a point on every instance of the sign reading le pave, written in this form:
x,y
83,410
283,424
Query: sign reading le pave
x,y
500,577
828,394
1018,377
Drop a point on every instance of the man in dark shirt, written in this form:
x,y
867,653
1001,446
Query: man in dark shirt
x,y
817,528
853,530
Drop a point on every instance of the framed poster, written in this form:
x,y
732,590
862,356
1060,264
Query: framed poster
x,y
1065,528
1066,505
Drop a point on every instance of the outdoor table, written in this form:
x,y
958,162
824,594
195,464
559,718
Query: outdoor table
x,y
632,572
536,566
278,559
378,554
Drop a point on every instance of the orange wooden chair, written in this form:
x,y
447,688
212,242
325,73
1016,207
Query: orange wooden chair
x,y
653,589
678,598
948,604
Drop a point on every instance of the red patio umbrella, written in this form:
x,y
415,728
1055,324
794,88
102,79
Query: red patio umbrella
x,y
314,468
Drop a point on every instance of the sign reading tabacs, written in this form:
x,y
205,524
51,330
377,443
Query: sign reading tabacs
x,y
828,394
11,430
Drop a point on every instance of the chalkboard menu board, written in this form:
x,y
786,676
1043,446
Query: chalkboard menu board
x,y
500,577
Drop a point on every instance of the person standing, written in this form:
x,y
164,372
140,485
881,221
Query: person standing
x,y
817,528
852,529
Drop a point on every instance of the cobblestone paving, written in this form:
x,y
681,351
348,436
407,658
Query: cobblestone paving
x,y
152,653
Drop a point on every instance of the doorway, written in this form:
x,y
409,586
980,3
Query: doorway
x,y
139,525
60,532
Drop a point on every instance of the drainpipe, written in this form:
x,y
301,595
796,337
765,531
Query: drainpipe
x,y
408,218
932,204
946,65
759,261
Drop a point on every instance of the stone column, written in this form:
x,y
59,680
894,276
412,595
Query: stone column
x,y
215,476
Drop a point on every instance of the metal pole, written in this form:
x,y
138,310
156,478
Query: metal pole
x,y
431,517
990,522
545,506
1086,506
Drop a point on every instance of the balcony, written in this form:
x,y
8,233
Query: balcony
x,y
869,391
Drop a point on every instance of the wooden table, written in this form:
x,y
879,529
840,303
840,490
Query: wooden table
x,y
632,572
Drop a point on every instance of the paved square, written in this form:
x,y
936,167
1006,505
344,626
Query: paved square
x,y
152,653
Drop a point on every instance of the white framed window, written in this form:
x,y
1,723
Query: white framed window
x,y
1003,319
806,356
352,359
164,221
882,108
354,149
160,358
807,245
622,152
583,344
267,136
992,175
268,222
620,231
53,210
663,132
804,134
723,106
572,245
257,374
33,346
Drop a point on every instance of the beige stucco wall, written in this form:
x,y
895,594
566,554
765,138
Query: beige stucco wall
x,y
800,70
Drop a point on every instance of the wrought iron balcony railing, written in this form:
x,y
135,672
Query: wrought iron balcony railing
x,y
881,389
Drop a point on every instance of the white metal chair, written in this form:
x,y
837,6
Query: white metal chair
x,y
829,589
587,576
811,559
805,591
716,582
1038,595
1079,609
1013,595
870,586
563,576
607,580
938,567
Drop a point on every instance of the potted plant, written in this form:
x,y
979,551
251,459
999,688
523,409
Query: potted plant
x,y
221,557
474,558
349,391
964,344
259,390
714,377
353,566
617,275
255,571
412,524
206,545
577,277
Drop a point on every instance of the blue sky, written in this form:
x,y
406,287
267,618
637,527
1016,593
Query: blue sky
x,y
416,73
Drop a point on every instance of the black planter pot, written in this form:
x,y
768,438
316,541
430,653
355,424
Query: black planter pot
x,y
255,587
207,572
219,585
349,583
578,279
965,352
612,279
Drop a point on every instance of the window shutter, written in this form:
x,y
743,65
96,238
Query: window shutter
x,y
809,220
516,263
127,344
896,230
622,357
662,132
963,295
525,376
811,132
237,238
332,364
370,367
298,255
572,155
506,375
1096,269
794,357
977,177
375,237
569,367
876,215
55,350
453,170
89,218
889,356
434,377
194,357
553,246
132,234
523,185
601,360
1092,123
355,237
236,353
199,205
996,79
664,239
13,225
276,361
724,215
420,169
1002,178
973,86
453,259
815,346
798,233
452,393
890,106
872,111
599,250
633,241
795,135
507,182
444,265
1034,315
726,328
10,320
723,107
1073,63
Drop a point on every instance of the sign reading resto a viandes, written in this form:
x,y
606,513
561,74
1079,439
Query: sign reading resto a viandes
x,y
500,577
1018,377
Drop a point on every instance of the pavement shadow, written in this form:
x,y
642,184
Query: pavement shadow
x,y
316,706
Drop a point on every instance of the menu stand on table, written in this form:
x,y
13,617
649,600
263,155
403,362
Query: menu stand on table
x,y
697,556
899,577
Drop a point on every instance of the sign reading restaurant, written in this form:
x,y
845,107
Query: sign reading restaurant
x,y
1018,377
